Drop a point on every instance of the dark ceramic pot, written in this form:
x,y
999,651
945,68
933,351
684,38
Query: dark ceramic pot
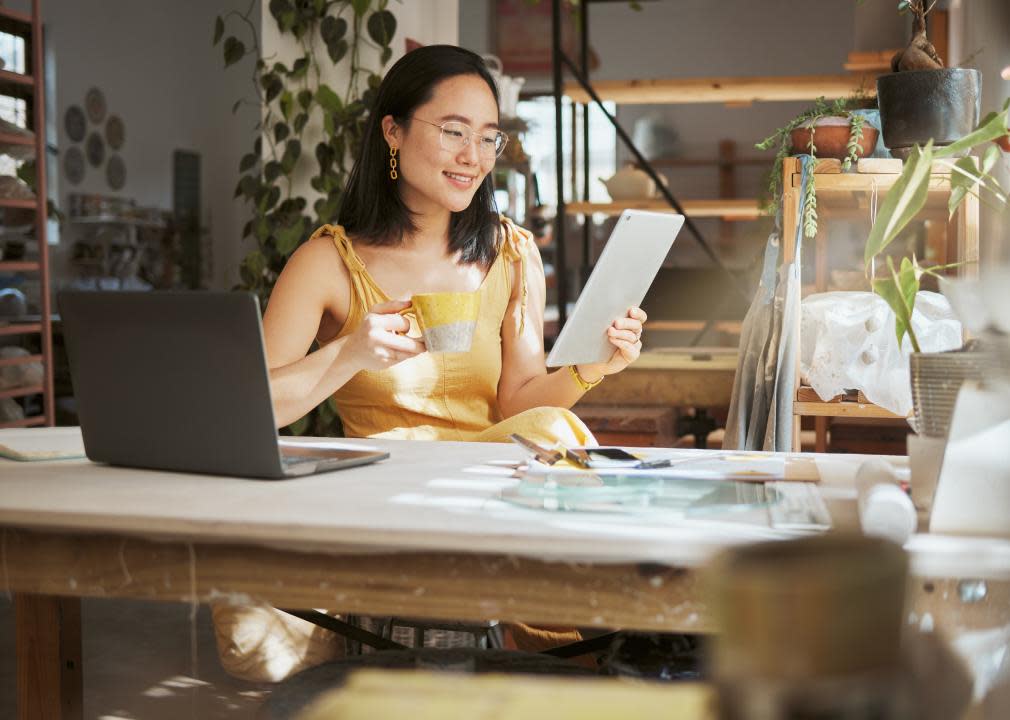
x,y
919,105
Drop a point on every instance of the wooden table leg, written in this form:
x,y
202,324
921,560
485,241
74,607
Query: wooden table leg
x,y
48,644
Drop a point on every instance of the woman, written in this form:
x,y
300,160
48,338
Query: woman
x,y
419,216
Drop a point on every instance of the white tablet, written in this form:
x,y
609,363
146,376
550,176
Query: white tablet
x,y
622,275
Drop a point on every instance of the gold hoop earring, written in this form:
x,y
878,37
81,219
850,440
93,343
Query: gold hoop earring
x,y
392,164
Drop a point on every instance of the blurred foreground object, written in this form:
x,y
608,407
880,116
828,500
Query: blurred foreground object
x,y
811,628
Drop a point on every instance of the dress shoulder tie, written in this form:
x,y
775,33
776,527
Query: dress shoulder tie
x,y
516,242
343,245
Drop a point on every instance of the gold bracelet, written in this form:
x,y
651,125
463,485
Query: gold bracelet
x,y
583,383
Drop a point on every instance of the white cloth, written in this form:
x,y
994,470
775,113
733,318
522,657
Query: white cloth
x,y
849,343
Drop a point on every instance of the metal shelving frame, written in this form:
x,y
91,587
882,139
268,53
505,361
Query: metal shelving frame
x,y
580,72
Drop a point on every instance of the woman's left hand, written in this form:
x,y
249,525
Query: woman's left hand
x,y
625,335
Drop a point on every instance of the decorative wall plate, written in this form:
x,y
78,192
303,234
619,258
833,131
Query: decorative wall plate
x,y
75,123
94,102
115,132
115,172
96,149
73,164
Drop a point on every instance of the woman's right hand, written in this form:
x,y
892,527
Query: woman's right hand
x,y
380,341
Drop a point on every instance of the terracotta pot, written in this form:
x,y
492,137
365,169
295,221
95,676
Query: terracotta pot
x,y
1003,142
831,138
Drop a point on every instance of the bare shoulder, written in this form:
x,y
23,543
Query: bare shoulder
x,y
318,256
314,277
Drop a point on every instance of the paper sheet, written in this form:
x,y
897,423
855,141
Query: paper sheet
x,y
27,444
707,465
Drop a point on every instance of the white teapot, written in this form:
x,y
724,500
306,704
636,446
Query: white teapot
x,y
508,87
630,183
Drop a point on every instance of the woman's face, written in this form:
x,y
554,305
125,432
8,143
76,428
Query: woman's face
x,y
432,173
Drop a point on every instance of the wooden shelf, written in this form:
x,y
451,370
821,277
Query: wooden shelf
x,y
9,139
730,90
675,161
737,209
18,203
22,360
18,266
21,391
11,19
842,409
21,329
16,85
870,60
32,421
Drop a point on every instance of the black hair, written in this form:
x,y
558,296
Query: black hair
x,y
372,209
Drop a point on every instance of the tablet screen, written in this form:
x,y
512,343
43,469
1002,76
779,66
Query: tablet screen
x,y
621,277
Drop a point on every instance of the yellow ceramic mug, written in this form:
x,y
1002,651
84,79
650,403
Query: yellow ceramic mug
x,y
446,319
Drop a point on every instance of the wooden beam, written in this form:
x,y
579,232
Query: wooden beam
x,y
856,182
842,409
443,586
893,166
725,89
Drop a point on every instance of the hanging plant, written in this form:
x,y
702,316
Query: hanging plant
x,y
783,141
328,33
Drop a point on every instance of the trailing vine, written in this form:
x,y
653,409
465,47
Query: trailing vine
x,y
327,33
782,142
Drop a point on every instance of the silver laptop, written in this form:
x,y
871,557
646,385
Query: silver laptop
x,y
179,381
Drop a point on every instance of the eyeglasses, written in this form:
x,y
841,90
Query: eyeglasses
x,y
456,135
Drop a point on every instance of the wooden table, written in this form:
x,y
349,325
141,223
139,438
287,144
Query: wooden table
x,y
686,377
423,534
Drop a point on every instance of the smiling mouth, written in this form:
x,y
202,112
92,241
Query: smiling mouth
x,y
460,179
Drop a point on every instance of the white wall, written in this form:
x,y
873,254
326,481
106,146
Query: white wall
x,y
154,61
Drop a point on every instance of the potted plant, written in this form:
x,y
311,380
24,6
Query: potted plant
x,y
935,377
898,285
921,100
826,130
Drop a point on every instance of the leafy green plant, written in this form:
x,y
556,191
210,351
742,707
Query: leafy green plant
x,y
781,140
969,176
328,33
